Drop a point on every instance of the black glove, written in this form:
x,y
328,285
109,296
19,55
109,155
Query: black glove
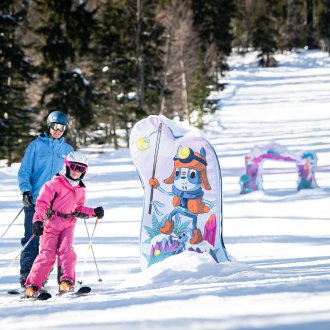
x,y
38,228
99,212
27,199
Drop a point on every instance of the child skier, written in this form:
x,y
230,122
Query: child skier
x,y
60,201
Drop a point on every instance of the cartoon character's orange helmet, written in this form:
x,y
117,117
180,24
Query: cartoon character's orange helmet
x,y
187,158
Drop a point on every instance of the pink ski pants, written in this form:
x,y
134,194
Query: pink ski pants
x,y
57,239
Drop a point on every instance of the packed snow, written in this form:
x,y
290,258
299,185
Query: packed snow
x,y
278,239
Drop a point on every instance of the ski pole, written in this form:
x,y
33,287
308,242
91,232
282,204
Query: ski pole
x,y
89,247
16,257
12,222
97,269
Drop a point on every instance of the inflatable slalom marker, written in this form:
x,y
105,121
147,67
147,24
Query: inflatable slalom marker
x,y
181,177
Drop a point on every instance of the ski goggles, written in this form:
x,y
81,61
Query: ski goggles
x,y
58,127
77,167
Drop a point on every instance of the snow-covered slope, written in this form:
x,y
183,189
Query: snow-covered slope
x,y
279,239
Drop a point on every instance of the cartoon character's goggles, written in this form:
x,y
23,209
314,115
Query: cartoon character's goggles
x,y
77,167
186,155
58,127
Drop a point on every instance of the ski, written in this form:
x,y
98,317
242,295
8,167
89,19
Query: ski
x,y
21,290
83,290
15,291
45,295
80,292
40,296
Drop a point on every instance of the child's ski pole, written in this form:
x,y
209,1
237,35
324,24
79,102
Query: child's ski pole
x,y
18,255
89,247
97,269
12,222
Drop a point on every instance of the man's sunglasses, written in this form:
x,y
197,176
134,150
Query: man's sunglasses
x,y
58,127
77,167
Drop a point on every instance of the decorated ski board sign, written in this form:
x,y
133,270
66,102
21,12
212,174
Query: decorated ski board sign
x,y
181,177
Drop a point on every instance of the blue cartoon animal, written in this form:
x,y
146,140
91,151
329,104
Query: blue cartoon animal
x,y
188,179
182,239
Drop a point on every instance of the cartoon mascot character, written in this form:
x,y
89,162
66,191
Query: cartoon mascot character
x,y
188,180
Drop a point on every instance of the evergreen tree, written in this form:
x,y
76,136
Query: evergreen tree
x,y
323,24
65,28
199,92
264,35
15,73
294,26
242,23
129,65
212,19
310,31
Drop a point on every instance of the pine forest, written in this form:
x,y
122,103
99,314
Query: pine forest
x,y
110,63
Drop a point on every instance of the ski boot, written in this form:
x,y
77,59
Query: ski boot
x,y
22,279
66,286
31,291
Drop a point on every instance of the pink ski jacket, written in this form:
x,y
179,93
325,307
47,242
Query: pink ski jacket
x,y
62,198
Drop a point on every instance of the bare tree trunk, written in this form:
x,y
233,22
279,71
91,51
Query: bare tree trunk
x,y
168,55
184,92
309,24
113,133
177,16
140,57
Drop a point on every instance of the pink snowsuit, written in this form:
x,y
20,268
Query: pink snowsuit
x,y
57,238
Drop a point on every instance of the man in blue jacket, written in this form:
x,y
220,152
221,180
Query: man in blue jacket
x,y
43,158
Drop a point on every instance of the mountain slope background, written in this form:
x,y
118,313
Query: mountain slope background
x,y
278,238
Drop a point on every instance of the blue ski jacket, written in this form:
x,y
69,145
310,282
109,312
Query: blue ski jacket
x,y
43,158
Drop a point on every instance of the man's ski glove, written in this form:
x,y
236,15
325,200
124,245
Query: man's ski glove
x,y
38,228
99,212
27,199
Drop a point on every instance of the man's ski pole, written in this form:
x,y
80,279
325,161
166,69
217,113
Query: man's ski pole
x,y
12,222
97,269
89,247
18,255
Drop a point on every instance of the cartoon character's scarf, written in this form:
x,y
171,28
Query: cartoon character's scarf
x,y
187,195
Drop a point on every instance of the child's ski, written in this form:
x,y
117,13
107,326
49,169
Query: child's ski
x,y
44,295
16,291
22,290
40,296
80,292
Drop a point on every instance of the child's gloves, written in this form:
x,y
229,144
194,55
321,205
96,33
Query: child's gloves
x,y
38,228
27,198
99,212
